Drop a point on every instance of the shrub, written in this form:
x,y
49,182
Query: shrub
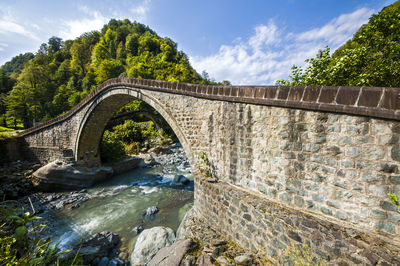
x,y
111,147
20,243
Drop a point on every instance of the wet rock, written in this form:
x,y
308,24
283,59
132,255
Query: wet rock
x,y
148,160
114,262
180,180
172,255
150,212
63,175
149,242
160,150
138,229
245,259
103,262
100,245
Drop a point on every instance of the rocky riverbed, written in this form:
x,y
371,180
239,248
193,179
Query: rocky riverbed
x,y
82,215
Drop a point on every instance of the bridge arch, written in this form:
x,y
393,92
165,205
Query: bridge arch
x,y
102,109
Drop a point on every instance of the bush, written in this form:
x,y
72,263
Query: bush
x,y
20,243
111,147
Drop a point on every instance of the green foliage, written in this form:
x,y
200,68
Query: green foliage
x,y
394,199
20,243
370,58
130,138
17,63
111,147
62,73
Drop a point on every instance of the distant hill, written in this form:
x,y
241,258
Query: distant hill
x,y
16,64
62,73
370,58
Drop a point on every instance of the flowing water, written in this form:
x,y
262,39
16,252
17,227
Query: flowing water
x,y
118,204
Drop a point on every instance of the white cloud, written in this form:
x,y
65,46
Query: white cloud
x,y
8,26
338,30
74,28
269,53
141,10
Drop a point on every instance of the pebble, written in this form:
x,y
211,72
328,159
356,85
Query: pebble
x,y
245,259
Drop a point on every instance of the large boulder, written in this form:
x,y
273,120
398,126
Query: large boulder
x,y
172,255
149,242
60,175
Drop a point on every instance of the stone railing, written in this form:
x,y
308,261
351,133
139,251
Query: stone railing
x,y
364,101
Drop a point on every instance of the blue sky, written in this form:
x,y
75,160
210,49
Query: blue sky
x,y
246,42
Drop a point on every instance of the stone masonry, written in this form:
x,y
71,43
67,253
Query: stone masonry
x,y
295,165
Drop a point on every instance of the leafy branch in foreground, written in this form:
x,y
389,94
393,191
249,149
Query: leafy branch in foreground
x,y
20,242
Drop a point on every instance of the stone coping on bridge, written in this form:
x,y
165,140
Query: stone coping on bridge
x,y
375,102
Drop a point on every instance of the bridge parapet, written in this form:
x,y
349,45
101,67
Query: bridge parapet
x,y
365,101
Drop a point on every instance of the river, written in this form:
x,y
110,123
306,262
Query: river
x,y
118,204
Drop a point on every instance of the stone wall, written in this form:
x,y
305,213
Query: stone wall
x,y
271,229
294,164
335,170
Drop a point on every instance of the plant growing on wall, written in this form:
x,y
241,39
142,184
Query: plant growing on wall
x,y
395,200
301,256
205,166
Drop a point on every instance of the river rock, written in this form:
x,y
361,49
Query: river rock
x,y
103,262
149,242
66,175
160,150
137,229
148,160
100,245
189,260
126,165
172,255
180,180
204,260
149,213
245,259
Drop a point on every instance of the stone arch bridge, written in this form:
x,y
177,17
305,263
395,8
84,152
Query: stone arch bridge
x,y
295,165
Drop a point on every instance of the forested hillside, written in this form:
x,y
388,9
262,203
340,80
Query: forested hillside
x,y
42,86
370,58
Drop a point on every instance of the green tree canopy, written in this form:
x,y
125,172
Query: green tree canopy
x,y
370,58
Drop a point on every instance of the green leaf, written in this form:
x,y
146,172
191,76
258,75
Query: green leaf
x,y
20,232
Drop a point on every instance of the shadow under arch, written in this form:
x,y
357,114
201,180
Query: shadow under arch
x,y
102,108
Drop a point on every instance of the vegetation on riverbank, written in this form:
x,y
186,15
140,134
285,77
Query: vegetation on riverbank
x,y
21,242
130,138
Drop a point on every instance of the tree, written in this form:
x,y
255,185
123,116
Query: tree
x,y
18,104
108,68
54,45
370,58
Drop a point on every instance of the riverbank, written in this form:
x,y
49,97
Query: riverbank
x,y
60,210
